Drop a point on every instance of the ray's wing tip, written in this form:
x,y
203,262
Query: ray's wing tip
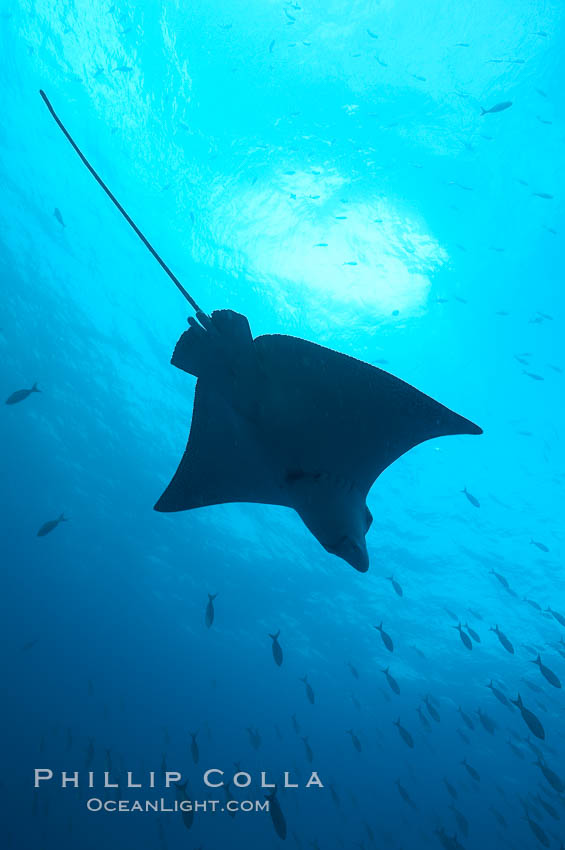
x,y
475,429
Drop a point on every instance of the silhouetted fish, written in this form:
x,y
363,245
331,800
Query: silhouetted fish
x,y
21,395
59,217
397,588
405,795
277,816
473,634
451,790
541,546
537,830
277,650
194,751
393,684
471,771
559,617
209,614
423,718
354,671
499,695
432,711
498,107
487,722
532,722
181,795
473,499
465,639
404,734
387,640
308,750
354,739
49,526
309,690
547,673
503,640
554,780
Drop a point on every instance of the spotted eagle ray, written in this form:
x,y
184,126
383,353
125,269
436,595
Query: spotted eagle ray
x,y
278,420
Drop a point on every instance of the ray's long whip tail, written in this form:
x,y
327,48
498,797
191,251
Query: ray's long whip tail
x,y
116,203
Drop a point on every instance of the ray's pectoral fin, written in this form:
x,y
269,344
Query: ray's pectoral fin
x,y
224,460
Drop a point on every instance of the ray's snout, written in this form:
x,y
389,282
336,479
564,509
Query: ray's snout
x,y
355,553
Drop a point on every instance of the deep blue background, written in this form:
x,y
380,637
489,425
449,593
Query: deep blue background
x,y
242,135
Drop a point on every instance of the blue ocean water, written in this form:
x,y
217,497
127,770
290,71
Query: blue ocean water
x,y
325,169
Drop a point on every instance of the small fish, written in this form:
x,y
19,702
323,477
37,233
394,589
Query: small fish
x,y
271,45
537,830
194,751
350,263
462,821
393,684
471,771
432,711
516,750
277,649
548,807
559,617
397,588
487,722
387,640
254,737
124,69
554,780
503,640
354,739
59,217
277,816
462,44
187,812
498,107
499,817
499,695
533,375
465,639
533,603
451,790
295,724
466,719
309,692
321,245
404,734
544,195
473,499
335,796
354,671
532,722
209,614
308,750
405,795
463,737
473,633
419,78
29,645
372,34
51,525
547,673
503,581
425,722
21,395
